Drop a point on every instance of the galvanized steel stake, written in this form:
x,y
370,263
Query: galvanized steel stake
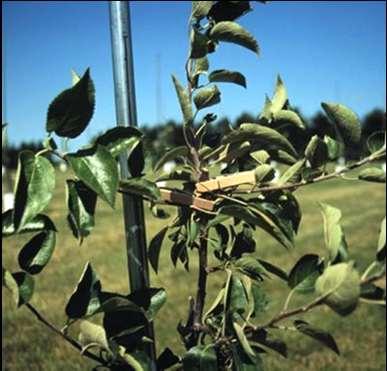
x,y
126,114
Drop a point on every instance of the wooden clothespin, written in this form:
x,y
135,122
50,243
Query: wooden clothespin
x,y
180,198
221,182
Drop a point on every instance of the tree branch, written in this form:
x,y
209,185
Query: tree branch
x,y
69,339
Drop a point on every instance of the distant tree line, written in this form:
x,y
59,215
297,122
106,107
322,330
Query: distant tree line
x,y
161,137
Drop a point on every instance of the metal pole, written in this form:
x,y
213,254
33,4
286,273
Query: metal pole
x,y
126,114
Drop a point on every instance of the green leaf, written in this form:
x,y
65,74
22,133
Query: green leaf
x,y
280,96
283,117
282,157
207,97
201,66
155,247
261,156
120,139
141,187
316,333
274,270
96,168
184,100
333,233
242,362
232,32
35,183
334,148
90,333
200,358
268,138
261,339
264,173
316,152
85,300
172,154
136,161
341,284
34,255
199,48
81,202
20,284
381,251
257,217
243,342
74,77
166,358
200,9
291,172
70,112
227,76
228,10
303,276
251,267
237,296
39,223
346,121
372,292
158,297
373,174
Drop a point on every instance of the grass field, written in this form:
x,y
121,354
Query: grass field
x,y
27,345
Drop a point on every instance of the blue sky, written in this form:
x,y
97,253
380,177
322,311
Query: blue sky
x,y
324,51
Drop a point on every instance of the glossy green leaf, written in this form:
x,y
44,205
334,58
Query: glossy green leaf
x,y
237,297
303,276
36,253
233,151
373,174
227,76
141,187
280,96
333,233
74,77
201,65
39,223
96,168
291,172
155,247
232,32
200,358
284,117
81,203
85,300
346,121
282,157
267,137
341,284
207,97
316,152
170,155
381,251
71,111
370,291
136,161
316,333
121,139
35,183
241,362
184,100
158,297
20,284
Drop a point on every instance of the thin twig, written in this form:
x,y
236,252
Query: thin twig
x,y
69,339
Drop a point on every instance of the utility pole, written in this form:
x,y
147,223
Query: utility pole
x,y
126,115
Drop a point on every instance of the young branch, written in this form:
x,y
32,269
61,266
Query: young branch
x,y
69,339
